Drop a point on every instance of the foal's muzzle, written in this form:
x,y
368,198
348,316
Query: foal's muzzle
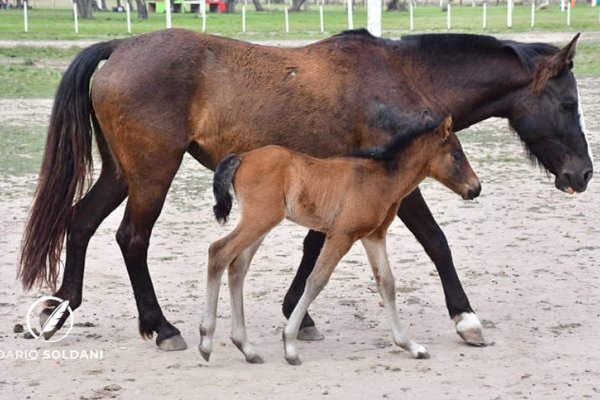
x,y
472,192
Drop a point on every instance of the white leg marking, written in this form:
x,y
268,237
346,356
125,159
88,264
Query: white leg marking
x,y
376,251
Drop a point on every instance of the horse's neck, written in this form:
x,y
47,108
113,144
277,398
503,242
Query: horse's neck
x,y
478,91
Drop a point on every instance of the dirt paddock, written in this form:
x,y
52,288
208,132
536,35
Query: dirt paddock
x,y
528,256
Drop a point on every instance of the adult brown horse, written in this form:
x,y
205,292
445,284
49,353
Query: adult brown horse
x,y
219,96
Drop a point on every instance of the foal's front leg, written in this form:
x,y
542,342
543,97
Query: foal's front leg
x,y
378,258
334,249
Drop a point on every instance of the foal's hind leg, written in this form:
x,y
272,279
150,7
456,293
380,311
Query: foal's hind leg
x,y
334,249
239,246
237,273
376,251
148,186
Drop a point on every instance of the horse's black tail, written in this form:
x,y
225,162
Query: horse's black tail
x,y
66,167
222,181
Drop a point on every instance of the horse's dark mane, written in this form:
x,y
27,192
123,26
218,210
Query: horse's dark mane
x,y
357,32
403,135
526,52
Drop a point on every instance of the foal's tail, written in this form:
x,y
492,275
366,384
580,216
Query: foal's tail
x,y
66,168
222,181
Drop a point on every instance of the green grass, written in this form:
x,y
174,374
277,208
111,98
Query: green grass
x,y
27,82
21,149
58,23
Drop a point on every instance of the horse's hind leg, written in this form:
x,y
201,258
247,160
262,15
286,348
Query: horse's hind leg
x,y
237,273
148,187
313,243
376,251
107,193
334,249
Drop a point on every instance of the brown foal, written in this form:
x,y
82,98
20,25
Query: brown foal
x,y
347,198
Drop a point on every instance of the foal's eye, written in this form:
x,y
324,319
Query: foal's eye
x,y
569,106
457,155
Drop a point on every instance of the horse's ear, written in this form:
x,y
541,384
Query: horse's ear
x,y
445,128
556,64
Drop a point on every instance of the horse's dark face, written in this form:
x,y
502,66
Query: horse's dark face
x,y
550,122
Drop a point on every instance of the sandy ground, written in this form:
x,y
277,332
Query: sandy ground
x,y
527,254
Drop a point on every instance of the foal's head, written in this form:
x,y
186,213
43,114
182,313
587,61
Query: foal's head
x,y
449,165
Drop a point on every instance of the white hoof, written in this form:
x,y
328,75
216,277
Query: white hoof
x,y
310,334
470,329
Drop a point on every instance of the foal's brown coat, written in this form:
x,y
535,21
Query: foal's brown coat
x,y
346,198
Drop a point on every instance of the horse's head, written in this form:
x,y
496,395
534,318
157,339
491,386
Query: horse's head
x,y
548,118
450,166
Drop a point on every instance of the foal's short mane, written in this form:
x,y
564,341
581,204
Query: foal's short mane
x,y
405,134
526,52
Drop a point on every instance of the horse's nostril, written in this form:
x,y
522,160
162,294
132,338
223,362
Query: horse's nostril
x,y
588,175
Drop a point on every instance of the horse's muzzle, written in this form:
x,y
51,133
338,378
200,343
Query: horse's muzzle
x,y
571,182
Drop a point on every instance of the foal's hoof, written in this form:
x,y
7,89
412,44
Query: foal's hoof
x,y
293,360
310,334
422,355
256,359
204,353
174,343
470,329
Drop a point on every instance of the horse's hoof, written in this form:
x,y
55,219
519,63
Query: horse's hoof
x,y
293,360
174,343
44,315
205,354
256,359
470,329
310,334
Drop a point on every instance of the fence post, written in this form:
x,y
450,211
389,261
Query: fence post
x,y
25,17
412,12
75,18
509,8
569,13
449,22
350,16
322,24
168,13
373,17
244,19
128,12
287,20
533,14
485,15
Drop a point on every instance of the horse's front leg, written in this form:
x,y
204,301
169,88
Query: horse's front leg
x,y
415,214
146,198
313,243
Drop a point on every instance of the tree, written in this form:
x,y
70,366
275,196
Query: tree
x,y
257,5
85,8
142,9
296,4
230,6
396,5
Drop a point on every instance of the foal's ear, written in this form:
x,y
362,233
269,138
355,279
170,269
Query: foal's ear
x,y
445,128
555,64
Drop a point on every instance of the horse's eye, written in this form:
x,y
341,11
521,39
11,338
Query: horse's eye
x,y
568,106
457,155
